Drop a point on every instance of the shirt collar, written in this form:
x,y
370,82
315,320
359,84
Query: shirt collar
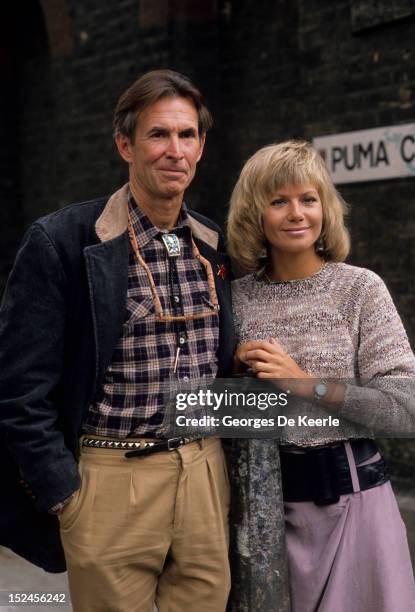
x,y
144,228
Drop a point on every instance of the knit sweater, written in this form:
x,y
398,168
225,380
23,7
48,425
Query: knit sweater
x,y
338,324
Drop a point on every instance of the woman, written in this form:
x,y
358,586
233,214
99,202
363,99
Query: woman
x,y
303,314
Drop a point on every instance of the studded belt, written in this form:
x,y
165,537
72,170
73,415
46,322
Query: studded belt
x,y
137,449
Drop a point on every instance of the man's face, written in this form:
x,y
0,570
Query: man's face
x,y
166,148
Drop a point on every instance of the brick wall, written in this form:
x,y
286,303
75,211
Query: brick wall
x,y
359,80
270,70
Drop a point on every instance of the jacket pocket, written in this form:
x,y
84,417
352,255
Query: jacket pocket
x,y
72,511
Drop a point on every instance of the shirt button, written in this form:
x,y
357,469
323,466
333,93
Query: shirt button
x,y
182,340
186,379
176,299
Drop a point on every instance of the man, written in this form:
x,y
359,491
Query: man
x,y
110,303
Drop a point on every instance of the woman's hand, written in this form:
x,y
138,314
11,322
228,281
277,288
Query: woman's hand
x,y
240,358
267,359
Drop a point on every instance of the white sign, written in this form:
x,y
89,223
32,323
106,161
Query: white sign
x,y
369,155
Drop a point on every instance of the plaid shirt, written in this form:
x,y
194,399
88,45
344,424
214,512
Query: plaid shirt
x,y
133,393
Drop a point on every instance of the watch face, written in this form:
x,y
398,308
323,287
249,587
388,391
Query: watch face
x,y
320,389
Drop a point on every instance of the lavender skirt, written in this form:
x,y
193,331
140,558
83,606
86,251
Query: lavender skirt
x,y
351,556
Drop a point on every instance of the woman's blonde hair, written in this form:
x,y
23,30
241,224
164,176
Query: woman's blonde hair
x,y
276,166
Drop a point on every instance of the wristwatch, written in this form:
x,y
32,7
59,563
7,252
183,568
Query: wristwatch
x,y
320,390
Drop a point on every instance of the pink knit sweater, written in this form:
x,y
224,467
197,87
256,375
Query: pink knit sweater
x,y
339,324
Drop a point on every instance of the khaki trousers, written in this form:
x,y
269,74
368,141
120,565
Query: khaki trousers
x,y
150,529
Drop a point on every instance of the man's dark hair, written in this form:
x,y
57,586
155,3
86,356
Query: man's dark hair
x,y
150,88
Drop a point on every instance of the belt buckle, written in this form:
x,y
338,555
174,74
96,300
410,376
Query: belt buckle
x,y
174,443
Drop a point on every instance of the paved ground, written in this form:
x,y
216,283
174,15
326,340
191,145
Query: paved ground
x,y
18,575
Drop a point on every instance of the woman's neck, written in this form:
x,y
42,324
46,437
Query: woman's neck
x,y
293,266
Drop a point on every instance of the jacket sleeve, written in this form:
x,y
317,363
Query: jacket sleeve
x,y
32,326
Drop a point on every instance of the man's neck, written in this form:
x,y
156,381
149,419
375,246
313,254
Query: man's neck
x,y
162,212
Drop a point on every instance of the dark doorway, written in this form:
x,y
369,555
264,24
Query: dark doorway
x,y
23,45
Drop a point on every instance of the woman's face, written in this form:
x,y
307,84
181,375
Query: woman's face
x,y
293,220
